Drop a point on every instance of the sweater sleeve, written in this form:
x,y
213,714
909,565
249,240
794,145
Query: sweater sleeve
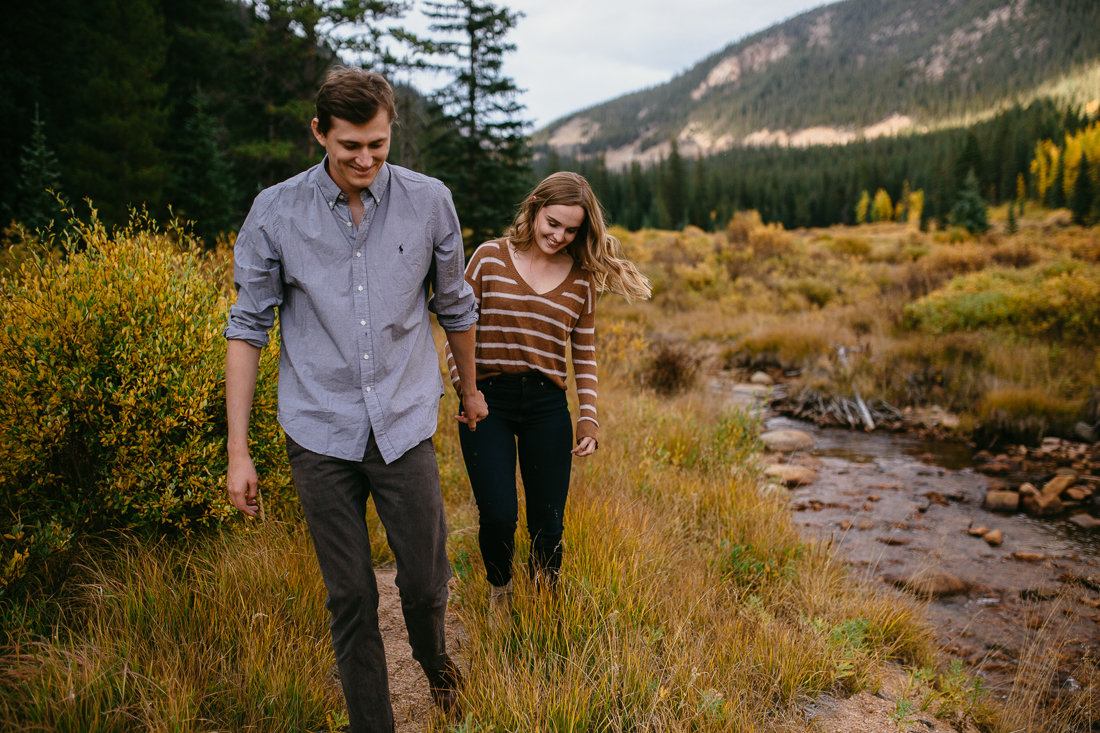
x,y
473,277
583,340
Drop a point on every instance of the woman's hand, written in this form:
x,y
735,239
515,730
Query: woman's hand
x,y
472,408
586,447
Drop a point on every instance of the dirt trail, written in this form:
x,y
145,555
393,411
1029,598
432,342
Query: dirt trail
x,y
412,704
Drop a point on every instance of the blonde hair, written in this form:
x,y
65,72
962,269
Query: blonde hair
x,y
595,249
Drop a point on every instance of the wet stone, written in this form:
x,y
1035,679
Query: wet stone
x,y
1002,501
978,531
1029,556
787,441
865,524
1085,521
790,476
931,584
761,378
994,538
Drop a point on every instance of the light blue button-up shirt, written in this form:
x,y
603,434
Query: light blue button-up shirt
x,y
357,348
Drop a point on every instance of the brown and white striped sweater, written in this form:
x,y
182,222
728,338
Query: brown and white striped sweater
x,y
519,330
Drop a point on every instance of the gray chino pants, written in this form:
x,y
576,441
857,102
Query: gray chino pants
x,y
333,493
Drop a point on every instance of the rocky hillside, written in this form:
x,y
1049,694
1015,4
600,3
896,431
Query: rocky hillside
x,y
850,70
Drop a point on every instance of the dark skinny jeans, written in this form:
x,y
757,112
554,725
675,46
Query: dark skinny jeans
x,y
528,415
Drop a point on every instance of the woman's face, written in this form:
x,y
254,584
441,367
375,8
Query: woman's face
x,y
556,226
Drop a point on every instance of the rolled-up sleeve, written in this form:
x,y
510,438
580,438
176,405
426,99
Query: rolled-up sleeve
x,y
452,297
257,276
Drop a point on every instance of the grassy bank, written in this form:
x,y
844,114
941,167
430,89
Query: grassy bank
x,y
1002,330
688,602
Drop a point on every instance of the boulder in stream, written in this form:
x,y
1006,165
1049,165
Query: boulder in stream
x,y
1002,501
787,441
931,584
761,378
1085,521
790,476
1058,484
994,538
1042,504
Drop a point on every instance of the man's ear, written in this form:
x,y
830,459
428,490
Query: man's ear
x,y
314,125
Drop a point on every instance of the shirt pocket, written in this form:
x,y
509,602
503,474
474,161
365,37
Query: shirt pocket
x,y
409,263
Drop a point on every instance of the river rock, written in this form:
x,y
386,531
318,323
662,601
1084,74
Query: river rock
x,y
846,524
1085,521
1028,556
790,476
1058,484
931,584
994,538
787,441
865,524
1042,504
1075,494
1027,490
977,531
1002,501
761,378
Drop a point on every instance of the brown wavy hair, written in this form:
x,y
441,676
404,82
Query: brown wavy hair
x,y
595,249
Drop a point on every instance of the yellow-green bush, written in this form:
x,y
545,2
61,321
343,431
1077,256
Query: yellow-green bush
x,y
1026,415
113,414
1061,300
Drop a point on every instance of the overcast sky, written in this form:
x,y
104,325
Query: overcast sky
x,y
572,54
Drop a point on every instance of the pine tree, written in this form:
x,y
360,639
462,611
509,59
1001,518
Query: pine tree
x,y
1082,194
204,187
1013,227
479,148
674,188
39,181
969,210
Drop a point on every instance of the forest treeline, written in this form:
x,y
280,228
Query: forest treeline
x,y
198,105
194,106
823,185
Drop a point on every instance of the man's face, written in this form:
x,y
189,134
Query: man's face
x,y
355,152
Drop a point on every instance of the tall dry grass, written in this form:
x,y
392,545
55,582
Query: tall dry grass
x,y
226,633
688,600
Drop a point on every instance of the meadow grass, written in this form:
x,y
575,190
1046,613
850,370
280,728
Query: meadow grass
x,y
687,601
939,318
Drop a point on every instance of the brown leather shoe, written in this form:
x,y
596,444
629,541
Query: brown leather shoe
x,y
444,684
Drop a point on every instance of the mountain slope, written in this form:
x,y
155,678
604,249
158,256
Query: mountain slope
x,y
854,69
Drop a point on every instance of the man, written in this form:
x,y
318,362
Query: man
x,y
346,251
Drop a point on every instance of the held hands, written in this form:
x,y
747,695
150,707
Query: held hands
x,y
586,447
243,484
472,408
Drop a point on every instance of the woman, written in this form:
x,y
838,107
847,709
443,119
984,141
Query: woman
x,y
537,289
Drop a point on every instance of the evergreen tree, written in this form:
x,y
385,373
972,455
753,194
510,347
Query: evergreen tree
x,y
1013,226
479,148
39,181
205,191
1082,194
700,198
674,188
969,210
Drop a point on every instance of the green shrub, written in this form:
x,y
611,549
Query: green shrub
x,y
114,396
1057,300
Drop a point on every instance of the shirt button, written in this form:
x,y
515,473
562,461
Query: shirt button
x,y
366,356
360,287
358,254
348,224
362,323
368,389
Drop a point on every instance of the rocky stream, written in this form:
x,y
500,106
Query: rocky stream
x,y
1004,547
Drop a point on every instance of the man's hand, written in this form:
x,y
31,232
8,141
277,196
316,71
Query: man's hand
x,y
586,447
473,409
243,484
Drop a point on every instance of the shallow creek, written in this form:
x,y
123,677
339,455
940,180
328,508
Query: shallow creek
x,y
896,504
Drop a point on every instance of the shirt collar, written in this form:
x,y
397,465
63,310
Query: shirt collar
x,y
332,192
